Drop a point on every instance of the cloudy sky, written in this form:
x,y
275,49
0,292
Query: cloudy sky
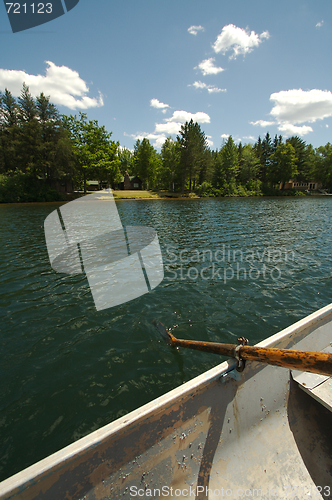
x,y
144,67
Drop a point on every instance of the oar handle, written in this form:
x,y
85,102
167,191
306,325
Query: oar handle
x,y
315,362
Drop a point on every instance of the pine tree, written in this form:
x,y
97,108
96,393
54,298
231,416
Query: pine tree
x,y
301,154
229,158
249,166
283,165
145,162
193,158
267,150
9,132
259,155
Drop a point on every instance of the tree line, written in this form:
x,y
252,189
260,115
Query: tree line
x,y
39,147
264,167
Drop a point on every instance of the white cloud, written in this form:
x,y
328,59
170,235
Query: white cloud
x,y
159,141
193,30
154,103
62,84
224,136
199,85
207,67
158,138
168,128
320,24
185,116
238,40
210,88
289,129
299,106
171,126
262,123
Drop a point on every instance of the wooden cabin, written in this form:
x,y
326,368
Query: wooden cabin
x,y
302,186
130,182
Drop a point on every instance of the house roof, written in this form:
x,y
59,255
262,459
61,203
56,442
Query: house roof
x,y
131,178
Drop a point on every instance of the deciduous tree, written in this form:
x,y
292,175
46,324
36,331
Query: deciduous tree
x,y
146,162
96,155
170,154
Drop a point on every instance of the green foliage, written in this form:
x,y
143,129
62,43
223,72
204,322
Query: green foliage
x,y
283,166
254,187
31,137
230,189
126,158
226,164
323,165
204,189
304,163
96,156
193,154
147,163
292,192
169,174
267,150
249,164
20,187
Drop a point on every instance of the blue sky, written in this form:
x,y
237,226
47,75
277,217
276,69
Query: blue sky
x,y
143,67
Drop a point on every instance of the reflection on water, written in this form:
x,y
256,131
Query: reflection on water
x,y
232,267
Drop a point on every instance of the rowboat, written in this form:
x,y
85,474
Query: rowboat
x,y
262,432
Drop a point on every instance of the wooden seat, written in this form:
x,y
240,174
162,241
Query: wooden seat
x,y
317,386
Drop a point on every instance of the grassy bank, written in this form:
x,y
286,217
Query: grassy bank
x,y
134,195
137,195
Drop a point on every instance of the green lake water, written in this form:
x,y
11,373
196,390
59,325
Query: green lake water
x,y
233,267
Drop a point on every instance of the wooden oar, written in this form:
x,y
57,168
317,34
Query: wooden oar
x,y
315,362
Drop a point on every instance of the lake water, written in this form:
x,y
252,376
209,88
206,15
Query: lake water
x,y
233,267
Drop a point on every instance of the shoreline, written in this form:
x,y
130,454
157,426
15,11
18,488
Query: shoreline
x,y
155,195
